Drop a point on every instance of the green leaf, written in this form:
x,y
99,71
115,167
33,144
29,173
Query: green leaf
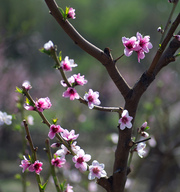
x,y
54,120
17,127
43,187
177,55
67,10
62,12
19,90
159,45
60,56
62,185
48,52
146,128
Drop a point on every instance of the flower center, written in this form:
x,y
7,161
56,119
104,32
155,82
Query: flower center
x,y
36,166
129,45
124,120
55,129
80,160
90,98
71,91
95,170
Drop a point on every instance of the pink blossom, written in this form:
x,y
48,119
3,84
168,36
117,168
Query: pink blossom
x,y
42,104
25,164
125,120
70,80
54,145
67,64
37,167
143,43
129,45
71,93
58,161
71,13
92,98
80,160
140,54
69,188
69,136
96,170
143,126
27,85
49,45
79,80
53,130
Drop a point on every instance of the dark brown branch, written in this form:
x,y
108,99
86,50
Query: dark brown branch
x,y
91,49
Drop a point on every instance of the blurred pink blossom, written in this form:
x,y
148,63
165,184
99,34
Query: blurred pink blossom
x,y
36,166
71,13
25,164
69,136
42,104
53,130
67,64
58,161
71,93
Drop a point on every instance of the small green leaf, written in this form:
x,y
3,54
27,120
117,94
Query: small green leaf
x,y
17,127
48,52
146,128
159,45
54,120
43,187
19,90
62,12
177,55
67,10
60,56
62,185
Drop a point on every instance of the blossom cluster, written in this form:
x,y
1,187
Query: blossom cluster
x,y
5,118
139,44
36,166
92,97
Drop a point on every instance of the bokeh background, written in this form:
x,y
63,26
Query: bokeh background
x,y
24,28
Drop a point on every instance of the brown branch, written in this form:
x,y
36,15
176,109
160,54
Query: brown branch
x,y
88,47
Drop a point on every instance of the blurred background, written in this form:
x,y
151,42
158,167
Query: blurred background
x,y
25,26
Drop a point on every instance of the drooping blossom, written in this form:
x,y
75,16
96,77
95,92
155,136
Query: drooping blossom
x,y
25,164
80,160
67,64
140,149
27,85
69,136
143,126
5,118
49,45
129,44
125,120
143,43
71,93
140,54
36,166
96,170
42,104
71,13
92,186
53,130
92,98
70,80
58,161
69,188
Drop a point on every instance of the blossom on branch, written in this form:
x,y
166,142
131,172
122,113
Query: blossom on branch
x,y
125,120
58,161
67,64
43,103
92,98
27,85
25,164
69,136
53,130
80,160
36,166
129,45
96,170
71,93
71,13
48,46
